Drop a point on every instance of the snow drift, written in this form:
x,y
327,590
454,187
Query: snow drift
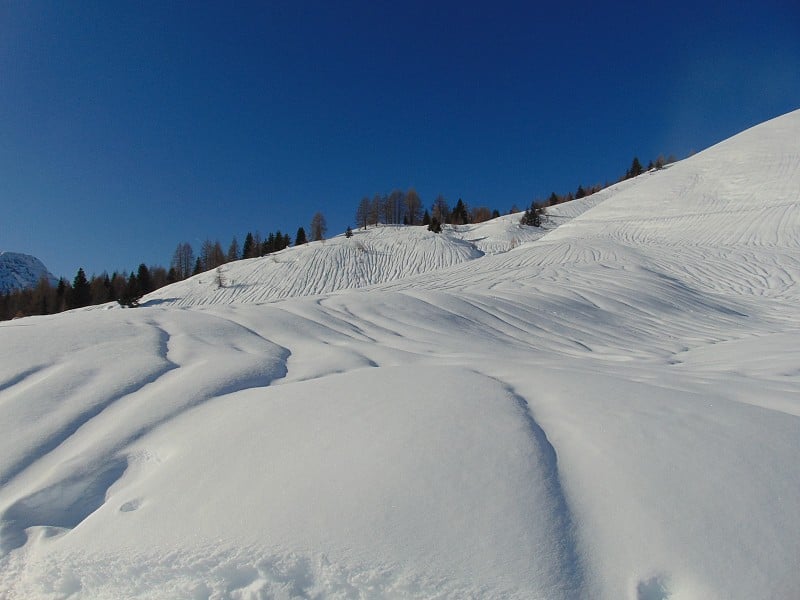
x,y
606,409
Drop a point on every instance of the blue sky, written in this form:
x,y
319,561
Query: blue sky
x,y
126,128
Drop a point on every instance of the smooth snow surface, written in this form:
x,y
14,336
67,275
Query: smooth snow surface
x,y
607,408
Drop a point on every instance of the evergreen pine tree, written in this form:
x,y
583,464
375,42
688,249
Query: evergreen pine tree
x,y
112,292
300,238
426,218
636,168
460,215
61,294
130,296
248,249
533,215
81,293
144,280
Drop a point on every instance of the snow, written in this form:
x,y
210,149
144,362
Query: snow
x,y
21,271
371,256
608,407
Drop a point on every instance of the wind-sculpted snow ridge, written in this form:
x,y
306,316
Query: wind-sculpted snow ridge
x,y
609,408
376,255
726,220
372,256
100,391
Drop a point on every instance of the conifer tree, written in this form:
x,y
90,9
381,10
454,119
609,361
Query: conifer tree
x,y
300,238
143,279
130,296
81,293
636,168
533,215
460,216
248,249
61,294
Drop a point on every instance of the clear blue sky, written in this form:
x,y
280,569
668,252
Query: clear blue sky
x,y
128,127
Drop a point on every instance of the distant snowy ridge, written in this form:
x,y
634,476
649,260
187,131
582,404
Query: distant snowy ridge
x,y
21,271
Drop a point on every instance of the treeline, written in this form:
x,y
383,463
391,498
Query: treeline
x,y
395,208
46,299
127,288
538,208
659,163
406,208
635,170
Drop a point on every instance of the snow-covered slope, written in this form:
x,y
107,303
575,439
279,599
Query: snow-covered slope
x,y
609,411
371,256
21,271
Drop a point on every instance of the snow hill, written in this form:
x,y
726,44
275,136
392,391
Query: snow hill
x,y
607,410
375,255
21,271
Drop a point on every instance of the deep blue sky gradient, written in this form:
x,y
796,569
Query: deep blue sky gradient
x,y
128,127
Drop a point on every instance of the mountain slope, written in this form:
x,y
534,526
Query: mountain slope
x,y
372,256
21,271
609,410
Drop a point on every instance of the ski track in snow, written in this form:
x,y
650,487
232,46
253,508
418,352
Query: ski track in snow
x,y
583,410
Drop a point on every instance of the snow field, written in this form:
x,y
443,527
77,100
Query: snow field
x,y
607,409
